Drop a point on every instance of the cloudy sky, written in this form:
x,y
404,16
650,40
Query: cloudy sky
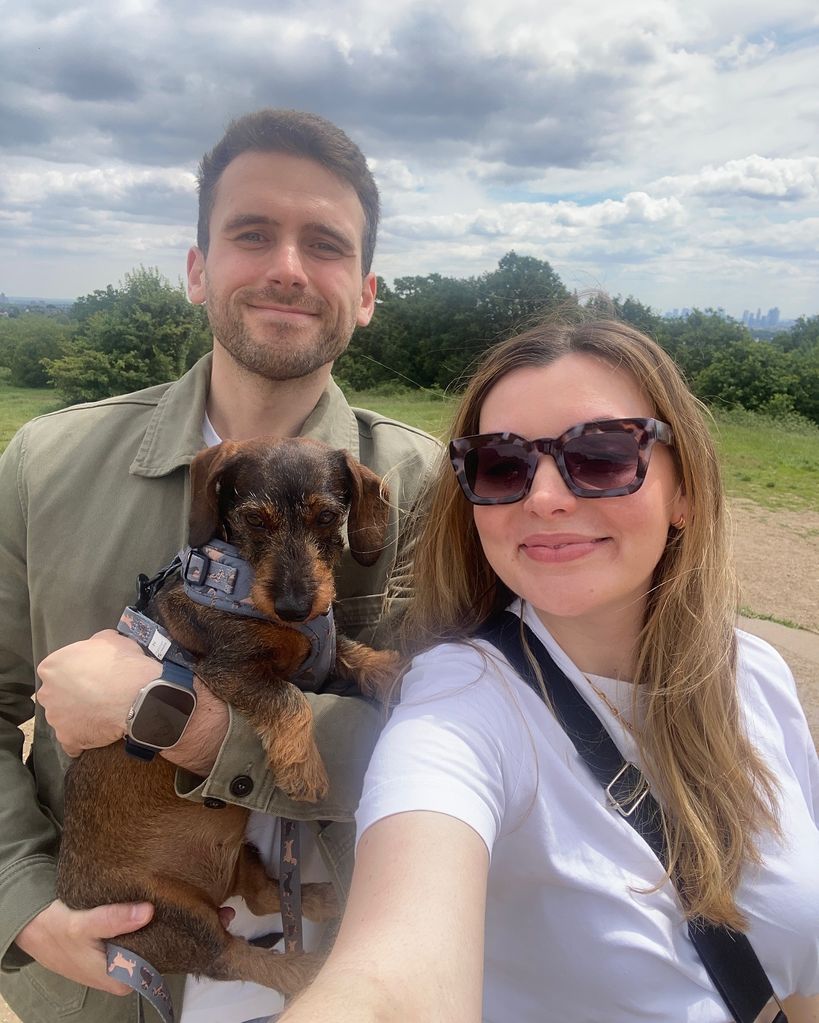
x,y
667,149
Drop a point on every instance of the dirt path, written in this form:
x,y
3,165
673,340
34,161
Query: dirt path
x,y
778,563
777,556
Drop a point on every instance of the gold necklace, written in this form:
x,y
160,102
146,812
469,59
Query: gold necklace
x,y
615,710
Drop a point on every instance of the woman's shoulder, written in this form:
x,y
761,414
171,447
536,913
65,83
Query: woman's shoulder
x,y
759,660
447,669
768,691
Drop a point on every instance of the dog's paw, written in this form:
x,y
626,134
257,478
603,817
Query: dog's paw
x,y
295,970
305,782
376,673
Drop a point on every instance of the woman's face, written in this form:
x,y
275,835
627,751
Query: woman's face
x,y
589,560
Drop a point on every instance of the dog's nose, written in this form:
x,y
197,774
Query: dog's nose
x,y
294,610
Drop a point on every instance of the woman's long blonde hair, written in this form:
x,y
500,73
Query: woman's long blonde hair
x,y
717,793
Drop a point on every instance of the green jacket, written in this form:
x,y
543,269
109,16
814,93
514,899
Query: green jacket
x,y
89,497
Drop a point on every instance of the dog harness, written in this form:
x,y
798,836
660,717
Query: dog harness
x,y
216,575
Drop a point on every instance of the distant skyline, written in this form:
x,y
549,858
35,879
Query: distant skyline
x,y
667,149
747,316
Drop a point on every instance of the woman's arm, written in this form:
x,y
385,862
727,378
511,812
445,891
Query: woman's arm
x,y
802,1010
410,945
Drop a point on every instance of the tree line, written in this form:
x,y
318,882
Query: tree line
x,y
427,333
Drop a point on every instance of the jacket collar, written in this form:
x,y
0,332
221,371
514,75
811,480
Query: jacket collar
x,y
174,433
333,421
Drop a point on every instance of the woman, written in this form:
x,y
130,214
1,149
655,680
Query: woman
x,y
492,880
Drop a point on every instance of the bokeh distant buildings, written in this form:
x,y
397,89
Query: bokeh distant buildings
x,y
760,320
754,321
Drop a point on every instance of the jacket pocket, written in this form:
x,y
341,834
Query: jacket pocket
x,y
357,617
64,997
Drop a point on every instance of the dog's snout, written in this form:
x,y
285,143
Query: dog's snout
x,y
293,610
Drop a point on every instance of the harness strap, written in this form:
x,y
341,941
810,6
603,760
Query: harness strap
x,y
317,665
216,575
153,638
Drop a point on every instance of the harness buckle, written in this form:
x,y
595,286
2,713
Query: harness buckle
x,y
195,569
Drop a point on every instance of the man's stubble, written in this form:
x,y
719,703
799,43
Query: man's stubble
x,y
281,351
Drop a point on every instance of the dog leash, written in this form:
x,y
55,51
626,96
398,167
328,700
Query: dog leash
x,y
129,968
726,954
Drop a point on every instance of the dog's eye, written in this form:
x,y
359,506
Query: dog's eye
x,y
326,517
254,519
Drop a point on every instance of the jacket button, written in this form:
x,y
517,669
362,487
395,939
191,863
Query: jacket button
x,y
213,804
241,785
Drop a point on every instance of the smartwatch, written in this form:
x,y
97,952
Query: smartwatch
x,y
160,712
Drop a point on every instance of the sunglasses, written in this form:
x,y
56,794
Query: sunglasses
x,y
608,458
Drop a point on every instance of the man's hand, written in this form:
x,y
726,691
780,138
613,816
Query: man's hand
x,y
71,942
89,687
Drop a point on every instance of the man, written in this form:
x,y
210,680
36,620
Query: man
x,y
91,496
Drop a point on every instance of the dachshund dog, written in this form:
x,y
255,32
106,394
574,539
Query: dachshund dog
x,y
127,835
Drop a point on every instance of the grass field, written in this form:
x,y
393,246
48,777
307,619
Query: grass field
x,y
19,404
764,461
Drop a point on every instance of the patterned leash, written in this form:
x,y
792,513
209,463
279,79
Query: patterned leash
x,y
133,970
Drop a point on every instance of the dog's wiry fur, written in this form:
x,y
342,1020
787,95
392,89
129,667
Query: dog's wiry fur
x,y
127,836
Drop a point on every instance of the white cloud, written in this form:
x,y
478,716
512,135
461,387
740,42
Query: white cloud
x,y
756,177
662,147
40,183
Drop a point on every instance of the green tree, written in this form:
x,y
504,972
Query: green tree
x,y
803,335
27,342
693,342
519,290
143,332
429,330
752,374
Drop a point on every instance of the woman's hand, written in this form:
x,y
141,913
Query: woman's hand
x,y
71,942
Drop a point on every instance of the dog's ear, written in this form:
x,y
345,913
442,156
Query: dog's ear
x,y
207,470
369,513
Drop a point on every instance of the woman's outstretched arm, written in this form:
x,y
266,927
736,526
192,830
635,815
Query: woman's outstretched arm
x,y
410,946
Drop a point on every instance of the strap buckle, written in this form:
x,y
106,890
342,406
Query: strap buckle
x,y
629,800
772,1012
195,567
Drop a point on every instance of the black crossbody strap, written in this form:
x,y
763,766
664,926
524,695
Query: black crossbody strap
x,y
727,955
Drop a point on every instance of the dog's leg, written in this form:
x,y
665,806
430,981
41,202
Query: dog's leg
x,y
373,671
319,902
288,972
286,731
283,719
187,936
251,881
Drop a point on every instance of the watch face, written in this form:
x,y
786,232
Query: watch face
x,y
162,714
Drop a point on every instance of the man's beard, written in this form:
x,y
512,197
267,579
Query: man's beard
x,y
281,351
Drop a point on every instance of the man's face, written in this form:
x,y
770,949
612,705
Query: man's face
x,y
282,277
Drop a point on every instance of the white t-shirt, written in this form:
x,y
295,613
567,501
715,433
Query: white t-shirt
x,y
234,1001
569,934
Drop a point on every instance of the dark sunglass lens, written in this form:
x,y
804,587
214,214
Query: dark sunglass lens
x,y
602,461
496,471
